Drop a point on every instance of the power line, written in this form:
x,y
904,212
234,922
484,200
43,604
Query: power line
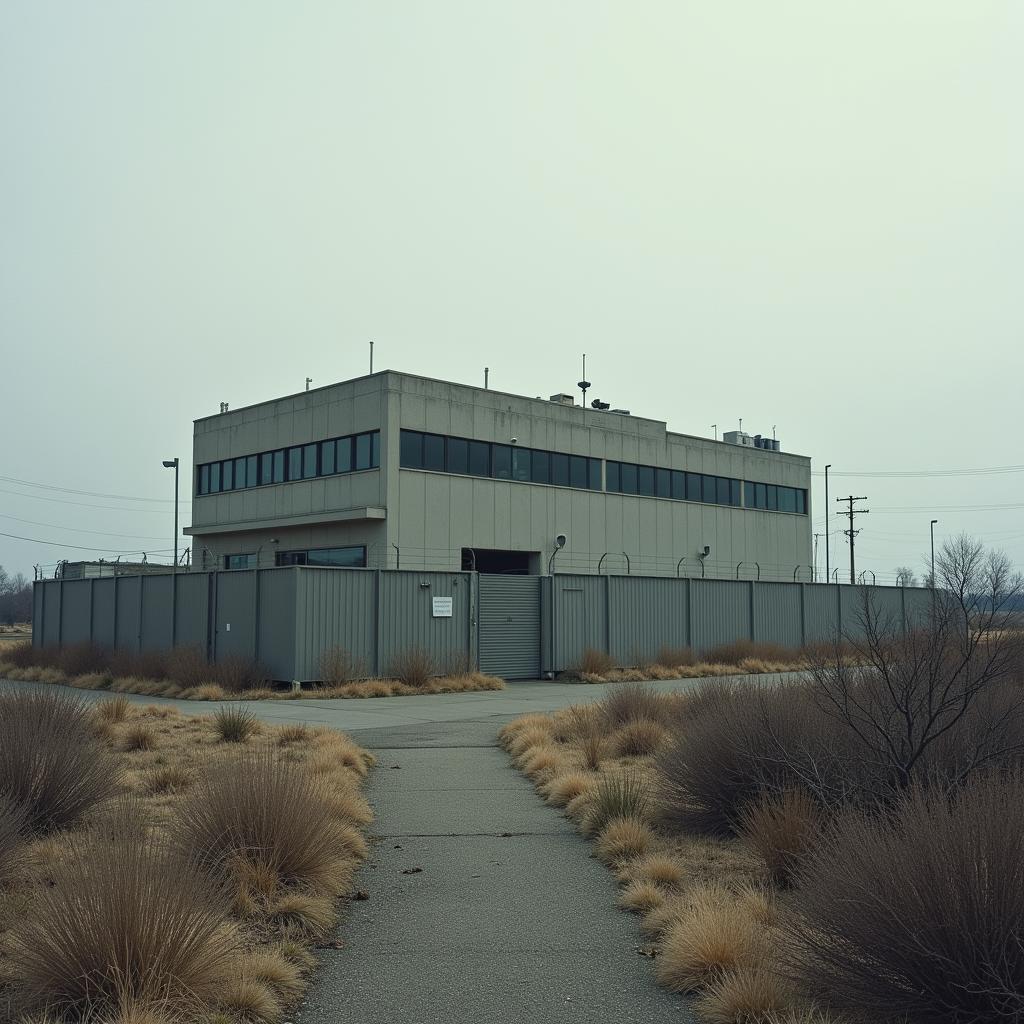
x,y
851,532
90,494
79,547
78,529
919,473
105,508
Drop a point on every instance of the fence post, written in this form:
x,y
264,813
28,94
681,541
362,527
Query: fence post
x,y
690,612
803,614
753,615
378,640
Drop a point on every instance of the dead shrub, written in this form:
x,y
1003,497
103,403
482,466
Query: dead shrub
x,y
639,738
302,914
238,672
125,664
138,737
114,710
592,662
337,666
749,650
781,828
414,667
641,897
268,812
13,834
674,657
51,764
631,702
156,938
26,656
81,659
623,838
564,788
916,914
746,994
168,778
659,869
187,666
295,732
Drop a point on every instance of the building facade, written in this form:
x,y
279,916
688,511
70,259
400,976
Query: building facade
x,y
398,471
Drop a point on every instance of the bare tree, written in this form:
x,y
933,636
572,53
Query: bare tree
x,y
929,699
906,576
15,598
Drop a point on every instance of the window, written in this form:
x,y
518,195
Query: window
x,y
246,561
645,480
279,467
734,493
410,450
722,487
375,450
348,557
204,480
251,464
308,461
520,463
578,471
295,463
613,482
328,450
678,485
708,489
801,501
787,499
773,497
540,468
433,453
594,474
560,469
343,455
627,478
501,461
267,468
227,475
693,487
663,483
364,451
748,494
458,456
479,458
240,465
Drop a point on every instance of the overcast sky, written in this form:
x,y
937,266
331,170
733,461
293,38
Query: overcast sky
x,y
806,214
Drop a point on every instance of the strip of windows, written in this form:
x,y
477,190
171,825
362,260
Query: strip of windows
x,y
654,482
246,561
441,454
285,465
348,557
775,498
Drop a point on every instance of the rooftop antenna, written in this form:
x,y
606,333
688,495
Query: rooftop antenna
x,y
309,380
741,424
487,371
584,384
371,357
773,431
714,431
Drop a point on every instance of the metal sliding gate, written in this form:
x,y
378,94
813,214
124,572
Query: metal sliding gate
x,y
510,626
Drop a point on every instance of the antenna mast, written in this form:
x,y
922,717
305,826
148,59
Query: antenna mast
x,y
584,384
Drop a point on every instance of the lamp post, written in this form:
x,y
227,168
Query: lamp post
x,y
932,528
173,464
827,468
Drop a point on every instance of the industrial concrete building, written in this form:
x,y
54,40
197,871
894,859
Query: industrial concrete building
x,y
393,470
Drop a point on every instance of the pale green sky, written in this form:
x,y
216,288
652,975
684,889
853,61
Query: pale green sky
x,y
802,213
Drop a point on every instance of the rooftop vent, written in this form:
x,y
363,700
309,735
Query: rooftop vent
x,y
620,412
563,399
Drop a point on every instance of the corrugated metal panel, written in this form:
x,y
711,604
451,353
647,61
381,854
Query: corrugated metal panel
x,y
38,597
407,621
334,608
103,612
851,610
646,614
777,616
126,629
822,623
721,612
76,612
157,596
510,626
193,609
51,614
579,617
277,621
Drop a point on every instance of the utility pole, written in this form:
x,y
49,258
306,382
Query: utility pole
x,y
828,567
851,532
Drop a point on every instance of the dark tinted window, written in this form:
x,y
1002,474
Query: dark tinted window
x,y
240,480
308,460
773,497
479,458
457,459
708,488
612,476
540,468
364,452
267,468
204,479
761,495
350,556
327,453
663,483
214,477
227,475
748,494
627,478
343,454
678,484
520,463
693,487
645,480
801,502
410,449
279,467
787,499
291,558
723,491
577,471
250,471
501,461
247,561
734,492
560,470
594,483
375,449
294,463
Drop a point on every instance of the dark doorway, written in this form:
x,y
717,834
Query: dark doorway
x,y
501,563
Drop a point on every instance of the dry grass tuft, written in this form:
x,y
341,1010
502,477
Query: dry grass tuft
x,y
338,666
114,710
168,778
294,733
249,998
234,724
660,869
138,737
639,738
745,995
592,663
781,828
302,914
543,763
641,897
273,969
622,795
564,788
622,838
705,943
13,851
413,667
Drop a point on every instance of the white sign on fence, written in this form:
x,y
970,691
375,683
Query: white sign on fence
x,y
442,607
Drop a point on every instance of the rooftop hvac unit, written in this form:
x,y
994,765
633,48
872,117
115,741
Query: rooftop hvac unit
x,y
738,437
563,399
620,412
